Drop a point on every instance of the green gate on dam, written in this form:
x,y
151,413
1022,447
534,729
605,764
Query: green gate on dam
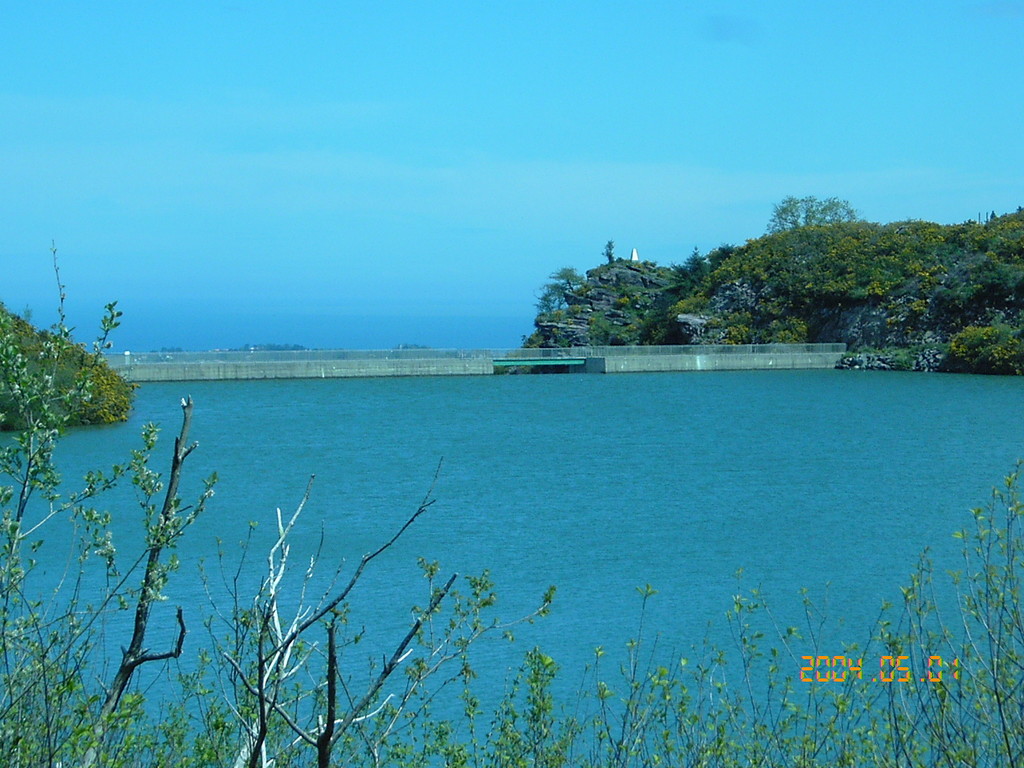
x,y
532,362
217,365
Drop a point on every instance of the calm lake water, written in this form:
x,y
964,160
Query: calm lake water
x,y
829,480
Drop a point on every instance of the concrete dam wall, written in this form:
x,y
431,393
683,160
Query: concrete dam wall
x,y
330,364
715,358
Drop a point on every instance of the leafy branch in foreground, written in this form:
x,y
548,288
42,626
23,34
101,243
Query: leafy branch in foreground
x,y
939,681
267,655
67,698
50,632
163,530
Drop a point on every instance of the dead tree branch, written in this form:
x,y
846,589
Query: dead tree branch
x,y
161,533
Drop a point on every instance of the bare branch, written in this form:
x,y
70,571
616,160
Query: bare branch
x,y
167,529
172,654
396,657
324,741
366,559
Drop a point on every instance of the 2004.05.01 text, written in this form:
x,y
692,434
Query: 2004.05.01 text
x,y
891,669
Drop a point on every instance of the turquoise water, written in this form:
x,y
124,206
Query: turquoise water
x,y
833,481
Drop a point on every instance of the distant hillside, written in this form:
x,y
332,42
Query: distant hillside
x,y
28,357
910,294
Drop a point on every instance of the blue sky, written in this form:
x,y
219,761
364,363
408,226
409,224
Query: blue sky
x,y
366,174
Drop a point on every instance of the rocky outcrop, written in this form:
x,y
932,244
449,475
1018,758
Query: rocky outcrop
x,y
692,328
857,326
608,309
867,362
640,275
928,360
738,296
562,330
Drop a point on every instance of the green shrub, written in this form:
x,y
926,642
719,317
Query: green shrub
x,y
737,334
790,330
90,392
985,349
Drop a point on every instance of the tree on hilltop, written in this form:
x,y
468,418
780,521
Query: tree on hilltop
x,y
553,295
795,212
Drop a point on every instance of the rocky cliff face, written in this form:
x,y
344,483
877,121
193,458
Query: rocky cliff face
x,y
608,309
